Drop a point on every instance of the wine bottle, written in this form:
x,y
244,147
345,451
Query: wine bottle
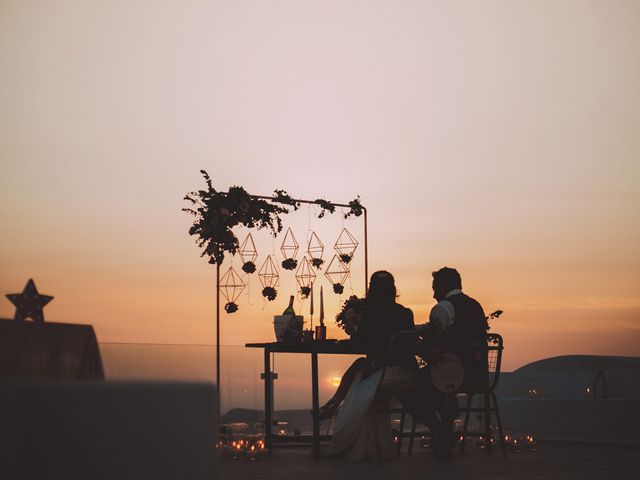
x,y
289,310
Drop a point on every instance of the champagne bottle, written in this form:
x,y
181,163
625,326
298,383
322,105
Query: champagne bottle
x,y
289,310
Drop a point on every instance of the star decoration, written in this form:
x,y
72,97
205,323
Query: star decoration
x,y
29,303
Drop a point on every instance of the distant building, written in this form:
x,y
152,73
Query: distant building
x,y
574,397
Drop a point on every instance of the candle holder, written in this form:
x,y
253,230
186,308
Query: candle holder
x,y
321,332
307,335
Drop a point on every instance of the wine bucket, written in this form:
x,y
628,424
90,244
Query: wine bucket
x,y
288,327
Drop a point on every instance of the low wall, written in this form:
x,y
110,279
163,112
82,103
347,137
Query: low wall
x,y
606,421
107,430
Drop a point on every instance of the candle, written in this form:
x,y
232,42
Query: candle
x,y
311,307
321,306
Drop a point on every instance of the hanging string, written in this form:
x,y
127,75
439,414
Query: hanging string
x,y
248,294
351,283
308,224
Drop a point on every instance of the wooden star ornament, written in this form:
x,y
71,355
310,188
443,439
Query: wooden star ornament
x,y
29,303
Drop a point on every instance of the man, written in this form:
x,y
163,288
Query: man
x,y
456,323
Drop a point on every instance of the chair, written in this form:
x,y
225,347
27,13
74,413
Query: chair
x,y
489,400
490,405
395,381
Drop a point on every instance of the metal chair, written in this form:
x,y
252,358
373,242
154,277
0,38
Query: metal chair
x,y
391,384
489,400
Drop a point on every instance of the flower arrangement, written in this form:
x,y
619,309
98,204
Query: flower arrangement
x,y
325,207
289,264
346,258
338,288
270,293
216,213
356,208
317,262
282,196
350,314
305,291
249,267
231,307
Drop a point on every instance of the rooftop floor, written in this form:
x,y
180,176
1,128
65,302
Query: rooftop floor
x,y
552,460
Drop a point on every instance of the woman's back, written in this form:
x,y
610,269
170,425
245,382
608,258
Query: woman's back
x,y
378,325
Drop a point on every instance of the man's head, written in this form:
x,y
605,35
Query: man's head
x,y
445,280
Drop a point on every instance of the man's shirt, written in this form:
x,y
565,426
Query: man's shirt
x,y
443,314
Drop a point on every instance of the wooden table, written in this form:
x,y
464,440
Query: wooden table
x,y
313,347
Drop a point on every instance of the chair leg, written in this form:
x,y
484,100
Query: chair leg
x,y
400,434
465,428
376,433
413,436
487,422
499,422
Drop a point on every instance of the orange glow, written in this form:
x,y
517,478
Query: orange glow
x,y
504,170
335,381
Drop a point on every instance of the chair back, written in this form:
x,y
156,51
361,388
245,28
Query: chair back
x,y
494,356
396,379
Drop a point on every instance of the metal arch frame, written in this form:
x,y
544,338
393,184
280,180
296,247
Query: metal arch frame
x,y
275,200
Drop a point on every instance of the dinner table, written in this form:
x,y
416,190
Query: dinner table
x,y
309,347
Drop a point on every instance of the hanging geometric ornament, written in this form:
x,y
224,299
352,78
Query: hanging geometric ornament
x,y
315,249
248,253
345,246
269,278
289,249
305,277
231,286
337,273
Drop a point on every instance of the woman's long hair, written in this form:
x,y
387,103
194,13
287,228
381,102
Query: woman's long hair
x,y
382,290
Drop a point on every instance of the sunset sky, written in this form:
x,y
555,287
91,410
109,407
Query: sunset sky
x,y
497,137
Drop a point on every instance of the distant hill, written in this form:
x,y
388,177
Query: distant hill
x,y
582,362
295,418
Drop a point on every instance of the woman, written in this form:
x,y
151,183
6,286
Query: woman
x,y
381,319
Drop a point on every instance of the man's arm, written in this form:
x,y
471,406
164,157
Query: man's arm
x,y
441,317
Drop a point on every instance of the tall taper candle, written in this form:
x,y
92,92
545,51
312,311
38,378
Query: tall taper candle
x,y
321,307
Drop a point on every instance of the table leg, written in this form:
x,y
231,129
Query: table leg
x,y
316,405
268,407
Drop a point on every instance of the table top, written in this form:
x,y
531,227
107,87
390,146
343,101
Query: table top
x,y
312,346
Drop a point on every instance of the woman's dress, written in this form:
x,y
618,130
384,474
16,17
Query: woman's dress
x,y
359,432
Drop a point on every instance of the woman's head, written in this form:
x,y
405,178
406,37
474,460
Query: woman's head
x,y
382,288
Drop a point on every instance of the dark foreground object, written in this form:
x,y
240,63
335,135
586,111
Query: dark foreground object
x,y
102,430
552,460
48,350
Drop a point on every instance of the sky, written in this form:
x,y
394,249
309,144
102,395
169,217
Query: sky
x,y
497,137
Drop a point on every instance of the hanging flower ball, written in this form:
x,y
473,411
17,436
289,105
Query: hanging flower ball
x,y
345,257
249,267
317,262
289,264
305,291
231,307
338,288
270,293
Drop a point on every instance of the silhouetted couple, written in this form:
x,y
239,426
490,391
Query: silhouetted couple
x,y
457,321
